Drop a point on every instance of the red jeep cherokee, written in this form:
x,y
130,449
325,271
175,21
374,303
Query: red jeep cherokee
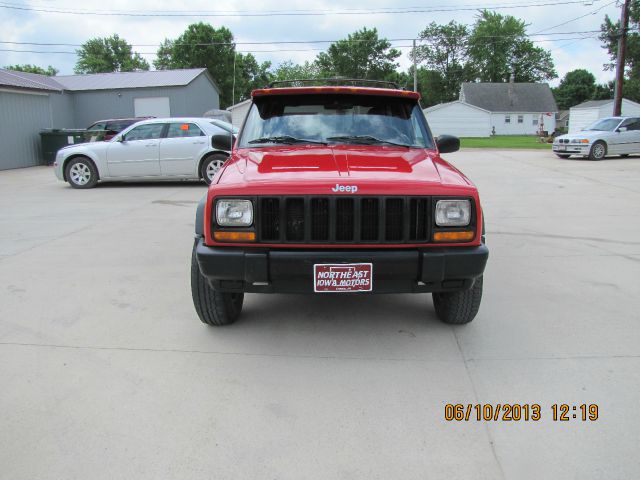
x,y
337,189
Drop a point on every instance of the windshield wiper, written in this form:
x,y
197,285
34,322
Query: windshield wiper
x,y
367,140
285,139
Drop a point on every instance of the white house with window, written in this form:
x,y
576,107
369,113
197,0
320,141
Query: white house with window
x,y
485,109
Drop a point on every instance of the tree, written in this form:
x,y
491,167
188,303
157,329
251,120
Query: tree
x,y
430,84
445,56
499,47
250,75
290,71
49,71
576,87
603,92
203,46
433,87
610,32
361,55
108,54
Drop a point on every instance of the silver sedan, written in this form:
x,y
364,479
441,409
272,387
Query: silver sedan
x,y
161,148
607,136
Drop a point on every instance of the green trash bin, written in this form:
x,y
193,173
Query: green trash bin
x,y
53,139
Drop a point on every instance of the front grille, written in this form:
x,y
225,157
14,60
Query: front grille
x,y
394,226
369,229
343,219
320,219
270,218
294,216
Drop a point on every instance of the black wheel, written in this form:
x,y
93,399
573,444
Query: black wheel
x,y
562,155
81,172
458,307
213,307
211,165
598,150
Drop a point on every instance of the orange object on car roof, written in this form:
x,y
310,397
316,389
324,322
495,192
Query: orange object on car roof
x,y
341,90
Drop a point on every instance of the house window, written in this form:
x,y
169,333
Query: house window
x,y
507,119
520,118
535,121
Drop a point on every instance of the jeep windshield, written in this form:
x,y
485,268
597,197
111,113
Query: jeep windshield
x,y
335,120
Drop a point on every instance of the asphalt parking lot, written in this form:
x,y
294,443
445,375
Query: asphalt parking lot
x,y
106,371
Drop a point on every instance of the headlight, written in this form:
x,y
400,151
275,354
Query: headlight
x,y
453,213
234,213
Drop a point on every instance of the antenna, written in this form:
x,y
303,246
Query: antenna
x,y
233,94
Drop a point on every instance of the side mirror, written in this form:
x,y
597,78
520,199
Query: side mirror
x,y
448,143
622,129
223,141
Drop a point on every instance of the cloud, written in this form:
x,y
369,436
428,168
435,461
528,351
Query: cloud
x,y
42,27
588,55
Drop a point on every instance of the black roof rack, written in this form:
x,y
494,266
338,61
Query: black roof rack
x,y
354,82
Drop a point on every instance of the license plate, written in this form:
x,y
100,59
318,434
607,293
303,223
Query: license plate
x,y
562,148
343,277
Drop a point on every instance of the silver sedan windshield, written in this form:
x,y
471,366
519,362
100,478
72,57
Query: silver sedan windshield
x,y
605,124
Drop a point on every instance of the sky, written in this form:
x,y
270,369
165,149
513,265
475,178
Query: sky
x,y
551,23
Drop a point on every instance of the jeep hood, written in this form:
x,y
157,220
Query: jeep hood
x,y
341,164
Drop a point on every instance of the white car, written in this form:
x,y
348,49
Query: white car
x,y
160,148
607,136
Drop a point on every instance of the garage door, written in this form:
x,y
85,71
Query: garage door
x,y
459,119
580,118
152,107
22,116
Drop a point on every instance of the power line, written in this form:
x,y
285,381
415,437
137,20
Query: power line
x,y
246,13
306,10
593,12
294,42
514,4
69,52
584,37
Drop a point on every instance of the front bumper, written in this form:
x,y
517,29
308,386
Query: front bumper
x,y
572,148
57,167
291,271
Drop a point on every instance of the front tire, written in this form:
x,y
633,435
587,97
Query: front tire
x,y
598,150
211,165
458,308
81,172
214,307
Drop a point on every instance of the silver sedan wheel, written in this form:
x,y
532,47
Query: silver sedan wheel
x,y
599,151
213,166
80,174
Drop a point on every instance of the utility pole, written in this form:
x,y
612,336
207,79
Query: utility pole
x,y
622,47
415,68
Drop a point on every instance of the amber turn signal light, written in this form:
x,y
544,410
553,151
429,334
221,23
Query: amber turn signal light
x,y
464,236
234,236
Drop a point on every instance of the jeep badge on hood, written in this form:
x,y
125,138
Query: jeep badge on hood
x,y
345,188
